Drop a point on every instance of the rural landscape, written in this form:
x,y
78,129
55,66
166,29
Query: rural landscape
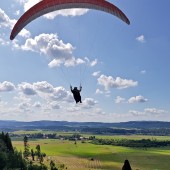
x,y
84,85
92,146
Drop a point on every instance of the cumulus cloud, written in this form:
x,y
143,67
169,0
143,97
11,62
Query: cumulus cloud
x,y
59,53
96,74
6,86
45,91
52,46
91,63
59,94
43,86
6,22
27,88
137,99
98,91
141,38
110,82
89,103
24,33
119,100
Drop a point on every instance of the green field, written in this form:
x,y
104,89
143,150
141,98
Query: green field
x,y
78,157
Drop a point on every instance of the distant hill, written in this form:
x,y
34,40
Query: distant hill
x,y
64,125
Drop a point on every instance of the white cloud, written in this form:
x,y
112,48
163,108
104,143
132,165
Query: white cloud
x,y
27,4
44,87
89,103
21,97
98,91
58,52
73,109
6,86
110,82
50,45
73,62
137,99
3,42
5,21
148,112
26,107
55,105
93,63
46,91
24,33
155,111
136,113
119,100
59,94
17,12
96,74
37,105
56,63
27,88
143,71
141,38
66,12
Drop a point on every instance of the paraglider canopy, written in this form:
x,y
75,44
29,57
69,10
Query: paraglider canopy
x,y
46,6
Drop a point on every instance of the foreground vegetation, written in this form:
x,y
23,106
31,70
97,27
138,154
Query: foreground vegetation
x,y
83,155
11,159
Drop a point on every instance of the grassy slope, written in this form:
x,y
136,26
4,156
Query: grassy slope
x,y
108,157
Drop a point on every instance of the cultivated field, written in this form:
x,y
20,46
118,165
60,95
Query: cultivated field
x,y
86,156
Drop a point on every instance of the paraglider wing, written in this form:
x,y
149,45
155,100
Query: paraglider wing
x,y
46,6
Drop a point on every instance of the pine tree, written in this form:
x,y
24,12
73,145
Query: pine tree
x,y
8,143
32,154
126,165
3,160
38,152
26,152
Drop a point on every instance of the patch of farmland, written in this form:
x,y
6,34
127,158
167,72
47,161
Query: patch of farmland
x,y
78,163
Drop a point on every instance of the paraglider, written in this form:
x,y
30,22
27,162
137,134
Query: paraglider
x,y
46,6
76,93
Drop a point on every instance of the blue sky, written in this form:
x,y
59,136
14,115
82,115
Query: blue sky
x,y
124,69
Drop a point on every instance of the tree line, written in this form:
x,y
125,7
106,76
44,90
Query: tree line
x,y
143,143
124,131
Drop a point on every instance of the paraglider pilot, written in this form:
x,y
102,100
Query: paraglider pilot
x,y
76,93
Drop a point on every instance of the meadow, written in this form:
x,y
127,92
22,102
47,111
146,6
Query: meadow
x,y
87,156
